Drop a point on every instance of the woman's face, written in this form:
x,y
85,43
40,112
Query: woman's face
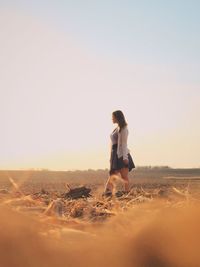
x,y
114,118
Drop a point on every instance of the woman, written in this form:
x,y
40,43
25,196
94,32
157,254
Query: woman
x,y
120,158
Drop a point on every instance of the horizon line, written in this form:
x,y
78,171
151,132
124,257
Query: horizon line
x,y
98,169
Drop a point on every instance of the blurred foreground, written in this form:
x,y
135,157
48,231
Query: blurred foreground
x,y
155,226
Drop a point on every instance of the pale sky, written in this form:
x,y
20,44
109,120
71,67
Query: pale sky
x,y
65,66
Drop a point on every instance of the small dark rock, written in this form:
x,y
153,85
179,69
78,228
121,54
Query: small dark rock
x,y
79,192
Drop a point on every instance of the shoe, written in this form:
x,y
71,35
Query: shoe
x,y
107,194
121,193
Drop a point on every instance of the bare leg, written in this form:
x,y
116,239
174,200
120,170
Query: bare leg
x,y
109,185
124,175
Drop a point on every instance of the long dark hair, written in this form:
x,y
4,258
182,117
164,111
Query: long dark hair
x,y
120,119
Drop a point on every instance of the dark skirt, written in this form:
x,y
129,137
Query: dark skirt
x,y
118,163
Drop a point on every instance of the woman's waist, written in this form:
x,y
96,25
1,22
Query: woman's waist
x,y
120,148
114,146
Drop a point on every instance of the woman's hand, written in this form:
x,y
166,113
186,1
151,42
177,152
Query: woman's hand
x,y
126,161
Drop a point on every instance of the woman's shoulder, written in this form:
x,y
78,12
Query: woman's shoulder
x,y
124,129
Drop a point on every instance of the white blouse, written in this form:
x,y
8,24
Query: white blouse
x,y
114,136
120,138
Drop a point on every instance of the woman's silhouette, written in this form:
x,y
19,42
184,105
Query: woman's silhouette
x,y
120,157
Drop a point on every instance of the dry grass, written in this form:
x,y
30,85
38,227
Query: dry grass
x,y
155,227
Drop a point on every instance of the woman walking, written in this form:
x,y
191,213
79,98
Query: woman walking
x,y
120,158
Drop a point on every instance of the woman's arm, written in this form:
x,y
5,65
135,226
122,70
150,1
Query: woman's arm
x,y
124,138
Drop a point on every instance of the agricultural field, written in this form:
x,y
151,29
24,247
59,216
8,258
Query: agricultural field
x,y
59,218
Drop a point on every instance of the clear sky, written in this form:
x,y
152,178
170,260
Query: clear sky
x,y
65,66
